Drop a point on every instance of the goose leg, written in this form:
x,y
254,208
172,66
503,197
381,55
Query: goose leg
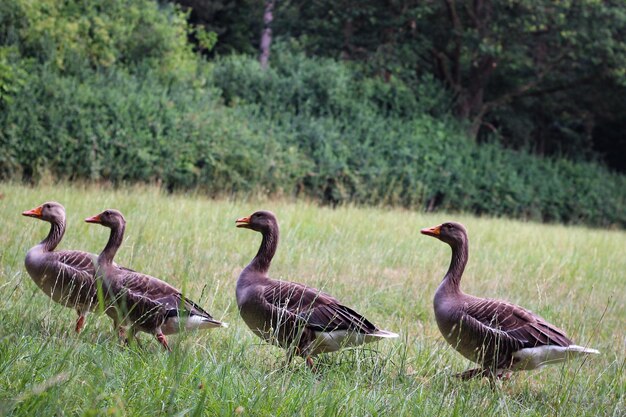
x,y
472,373
291,352
504,374
80,323
307,358
121,336
121,332
161,338
486,373
309,363
130,337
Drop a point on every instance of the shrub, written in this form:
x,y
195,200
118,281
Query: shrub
x,y
119,128
367,147
73,35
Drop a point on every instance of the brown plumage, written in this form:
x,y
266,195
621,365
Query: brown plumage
x,y
65,276
143,302
294,316
497,335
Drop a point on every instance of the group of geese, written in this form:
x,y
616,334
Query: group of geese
x,y
499,336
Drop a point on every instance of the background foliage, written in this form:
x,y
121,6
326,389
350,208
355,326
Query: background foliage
x,y
114,92
534,74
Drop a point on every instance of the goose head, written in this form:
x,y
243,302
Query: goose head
x,y
260,221
51,211
109,218
452,233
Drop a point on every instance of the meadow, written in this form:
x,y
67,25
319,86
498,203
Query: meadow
x,y
372,259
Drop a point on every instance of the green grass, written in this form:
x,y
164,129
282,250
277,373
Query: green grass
x,y
372,259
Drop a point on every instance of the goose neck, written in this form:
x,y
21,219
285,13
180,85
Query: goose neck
x,y
115,241
262,260
57,230
452,280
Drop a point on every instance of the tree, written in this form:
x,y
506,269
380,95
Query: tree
x,y
237,23
266,36
529,71
492,53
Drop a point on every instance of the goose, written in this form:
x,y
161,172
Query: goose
x,y
499,336
139,301
65,276
296,317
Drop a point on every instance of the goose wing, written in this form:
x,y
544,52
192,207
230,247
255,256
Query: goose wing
x,y
73,264
514,325
298,305
187,307
145,299
150,294
73,272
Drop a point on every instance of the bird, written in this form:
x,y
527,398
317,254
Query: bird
x,y
65,276
139,301
296,317
499,336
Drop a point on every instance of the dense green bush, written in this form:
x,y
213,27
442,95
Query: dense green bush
x,y
70,36
306,126
367,147
121,128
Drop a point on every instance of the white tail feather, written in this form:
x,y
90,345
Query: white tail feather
x,y
337,339
176,324
583,350
384,334
533,358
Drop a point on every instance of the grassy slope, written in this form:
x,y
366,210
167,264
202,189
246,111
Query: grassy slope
x,y
372,259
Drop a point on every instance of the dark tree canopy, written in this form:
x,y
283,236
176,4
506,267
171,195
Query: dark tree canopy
x,y
536,74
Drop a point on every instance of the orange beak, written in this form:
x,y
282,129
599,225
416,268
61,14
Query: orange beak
x,y
243,222
93,219
36,212
431,231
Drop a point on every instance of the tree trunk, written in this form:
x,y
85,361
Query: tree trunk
x,y
348,33
266,36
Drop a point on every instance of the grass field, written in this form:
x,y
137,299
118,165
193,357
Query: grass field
x,y
374,260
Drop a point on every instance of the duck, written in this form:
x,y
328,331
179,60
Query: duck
x,y
300,319
499,336
140,302
66,276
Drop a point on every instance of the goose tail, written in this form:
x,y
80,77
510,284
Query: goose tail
x,y
383,334
580,350
209,323
175,324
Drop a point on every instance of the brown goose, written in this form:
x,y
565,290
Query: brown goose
x,y
499,336
143,302
65,276
292,315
